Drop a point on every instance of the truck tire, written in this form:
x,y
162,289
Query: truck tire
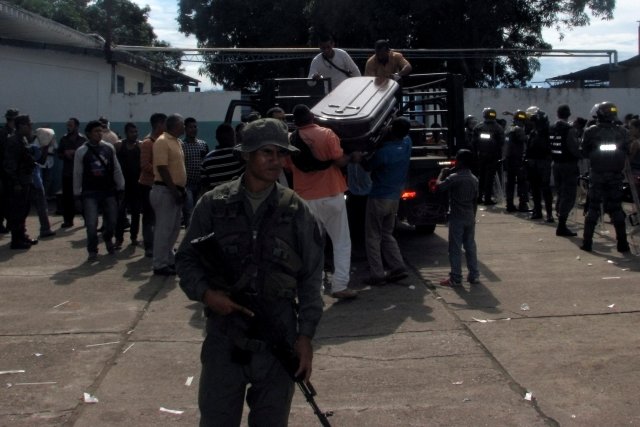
x,y
425,228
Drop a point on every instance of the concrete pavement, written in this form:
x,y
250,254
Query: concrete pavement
x,y
409,354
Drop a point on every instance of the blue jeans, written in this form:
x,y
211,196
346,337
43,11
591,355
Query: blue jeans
x,y
39,200
192,197
91,204
462,233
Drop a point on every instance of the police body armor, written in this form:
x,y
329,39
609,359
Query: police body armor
x,y
538,146
515,141
558,141
486,140
607,149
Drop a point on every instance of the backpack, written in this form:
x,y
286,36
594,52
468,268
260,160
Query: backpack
x,y
305,160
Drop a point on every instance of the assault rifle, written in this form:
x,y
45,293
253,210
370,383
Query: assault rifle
x,y
268,329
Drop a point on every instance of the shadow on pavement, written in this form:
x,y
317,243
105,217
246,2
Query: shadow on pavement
x,y
86,269
378,311
429,256
156,288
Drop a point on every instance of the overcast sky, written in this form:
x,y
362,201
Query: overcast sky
x,y
620,34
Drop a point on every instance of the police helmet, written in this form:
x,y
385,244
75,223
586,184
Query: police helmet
x,y
540,120
532,111
520,116
470,121
607,111
489,114
594,110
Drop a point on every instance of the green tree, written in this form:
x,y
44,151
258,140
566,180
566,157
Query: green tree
x,y
129,22
242,23
415,24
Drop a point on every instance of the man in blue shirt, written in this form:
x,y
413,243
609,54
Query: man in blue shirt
x,y
389,166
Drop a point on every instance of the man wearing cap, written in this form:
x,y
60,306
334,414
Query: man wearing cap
x,y
18,164
271,256
387,63
5,132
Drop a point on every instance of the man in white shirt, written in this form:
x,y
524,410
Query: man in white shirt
x,y
332,62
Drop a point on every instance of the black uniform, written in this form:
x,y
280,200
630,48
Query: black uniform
x,y
5,133
565,152
515,144
606,145
18,166
538,155
488,139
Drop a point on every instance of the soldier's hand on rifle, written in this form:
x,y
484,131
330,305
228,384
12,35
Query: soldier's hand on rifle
x,y
221,304
304,351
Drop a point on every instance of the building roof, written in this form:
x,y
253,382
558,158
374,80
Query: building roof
x,y
596,76
22,28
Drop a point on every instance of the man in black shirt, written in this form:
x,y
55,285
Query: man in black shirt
x,y
69,143
128,154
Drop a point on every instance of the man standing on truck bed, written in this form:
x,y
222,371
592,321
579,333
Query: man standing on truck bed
x,y
387,63
332,62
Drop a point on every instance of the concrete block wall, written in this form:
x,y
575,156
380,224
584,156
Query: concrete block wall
x,y
580,100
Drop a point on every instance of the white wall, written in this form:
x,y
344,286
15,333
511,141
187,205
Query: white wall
x,y
580,100
51,85
133,76
204,106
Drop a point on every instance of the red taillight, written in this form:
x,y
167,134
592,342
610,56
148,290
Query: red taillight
x,y
408,195
433,185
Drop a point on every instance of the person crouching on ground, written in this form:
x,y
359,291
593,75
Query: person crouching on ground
x,y
463,195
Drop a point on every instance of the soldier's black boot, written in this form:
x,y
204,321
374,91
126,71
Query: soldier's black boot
x,y
562,229
523,207
549,216
548,204
587,239
536,214
621,237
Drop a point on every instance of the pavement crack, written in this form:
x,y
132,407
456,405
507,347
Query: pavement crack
x,y
394,359
54,334
118,351
514,385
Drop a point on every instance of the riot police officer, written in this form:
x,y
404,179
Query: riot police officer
x,y
565,152
538,155
488,140
470,122
515,143
606,145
